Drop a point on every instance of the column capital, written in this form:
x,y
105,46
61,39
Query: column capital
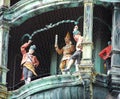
x,y
3,68
4,3
4,24
116,6
3,92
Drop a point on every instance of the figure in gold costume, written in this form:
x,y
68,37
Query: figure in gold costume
x,y
66,50
29,61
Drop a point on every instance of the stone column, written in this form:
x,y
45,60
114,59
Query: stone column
x,y
4,34
87,32
115,61
86,62
4,30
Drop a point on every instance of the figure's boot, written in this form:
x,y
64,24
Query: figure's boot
x,y
63,72
108,72
28,80
77,67
68,72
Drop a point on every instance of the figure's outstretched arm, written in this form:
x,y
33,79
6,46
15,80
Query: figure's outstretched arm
x,y
24,46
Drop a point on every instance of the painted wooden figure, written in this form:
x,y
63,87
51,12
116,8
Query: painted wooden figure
x,y
66,51
29,61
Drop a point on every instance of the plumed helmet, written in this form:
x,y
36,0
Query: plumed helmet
x,y
32,47
76,32
109,42
67,35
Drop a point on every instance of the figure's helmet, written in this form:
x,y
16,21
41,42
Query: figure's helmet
x,y
67,36
109,42
32,47
76,31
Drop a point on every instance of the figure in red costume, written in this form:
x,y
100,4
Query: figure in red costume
x,y
105,54
29,61
76,57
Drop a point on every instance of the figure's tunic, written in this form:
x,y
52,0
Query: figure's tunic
x,y
106,52
67,51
